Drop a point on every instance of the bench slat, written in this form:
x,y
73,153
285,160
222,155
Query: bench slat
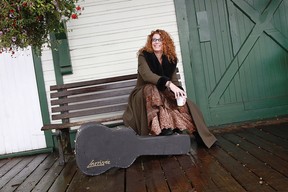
x,y
93,82
98,103
68,125
94,96
108,109
118,85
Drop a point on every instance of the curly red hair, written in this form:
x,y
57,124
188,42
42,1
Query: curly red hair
x,y
167,43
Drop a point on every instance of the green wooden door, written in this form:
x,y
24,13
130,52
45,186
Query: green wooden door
x,y
235,56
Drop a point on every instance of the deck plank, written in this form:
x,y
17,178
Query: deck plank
x,y
80,182
268,146
114,180
155,178
218,175
48,179
176,178
14,171
37,175
109,181
3,162
269,176
279,130
135,179
267,158
242,174
9,165
106,182
62,181
24,173
195,171
269,137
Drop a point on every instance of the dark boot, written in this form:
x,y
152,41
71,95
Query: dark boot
x,y
166,132
177,131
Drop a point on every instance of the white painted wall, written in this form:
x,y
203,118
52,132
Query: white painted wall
x,y
20,115
104,40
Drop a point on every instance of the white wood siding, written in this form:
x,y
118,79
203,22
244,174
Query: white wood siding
x,y
104,40
20,115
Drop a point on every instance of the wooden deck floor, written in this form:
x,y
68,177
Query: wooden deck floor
x,y
250,159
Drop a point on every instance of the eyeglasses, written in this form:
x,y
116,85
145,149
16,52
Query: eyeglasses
x,y
155,40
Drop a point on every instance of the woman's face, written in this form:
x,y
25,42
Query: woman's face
x,y
157,43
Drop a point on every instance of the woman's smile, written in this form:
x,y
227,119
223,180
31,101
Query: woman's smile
x,y
157,43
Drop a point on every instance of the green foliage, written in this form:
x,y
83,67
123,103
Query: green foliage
x,y
29,22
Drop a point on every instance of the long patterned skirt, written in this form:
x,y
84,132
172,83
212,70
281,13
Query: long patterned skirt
x,y
163,112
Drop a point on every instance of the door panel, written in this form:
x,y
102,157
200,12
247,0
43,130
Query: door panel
x,y
20,114
244,60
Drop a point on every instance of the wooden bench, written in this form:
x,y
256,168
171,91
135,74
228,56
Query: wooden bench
x,y
73,104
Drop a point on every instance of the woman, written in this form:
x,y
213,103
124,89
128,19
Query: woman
x,y
152,107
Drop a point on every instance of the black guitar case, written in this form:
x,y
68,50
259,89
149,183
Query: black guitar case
x,y
99,148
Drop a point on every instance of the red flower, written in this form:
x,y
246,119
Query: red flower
x,y
74,16
12,11
24,4
78,8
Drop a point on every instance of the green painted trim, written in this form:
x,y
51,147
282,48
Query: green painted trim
x,y
225,116
61,60
42,96
61,55
183,31
55,55
73,134
64,54
189,36
27,153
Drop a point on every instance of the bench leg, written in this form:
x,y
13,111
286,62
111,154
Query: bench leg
x,y
64,145
60,149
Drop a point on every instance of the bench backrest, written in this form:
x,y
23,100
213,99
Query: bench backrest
x,y
103,96
102,100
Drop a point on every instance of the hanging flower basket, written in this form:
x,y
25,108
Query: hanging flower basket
x,y
29,22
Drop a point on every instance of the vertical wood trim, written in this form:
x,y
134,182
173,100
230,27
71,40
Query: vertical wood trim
x,y
42,96
55,55
63,53
183,30
201,97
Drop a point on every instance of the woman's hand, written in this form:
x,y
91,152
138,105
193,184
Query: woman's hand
x,y
176,90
